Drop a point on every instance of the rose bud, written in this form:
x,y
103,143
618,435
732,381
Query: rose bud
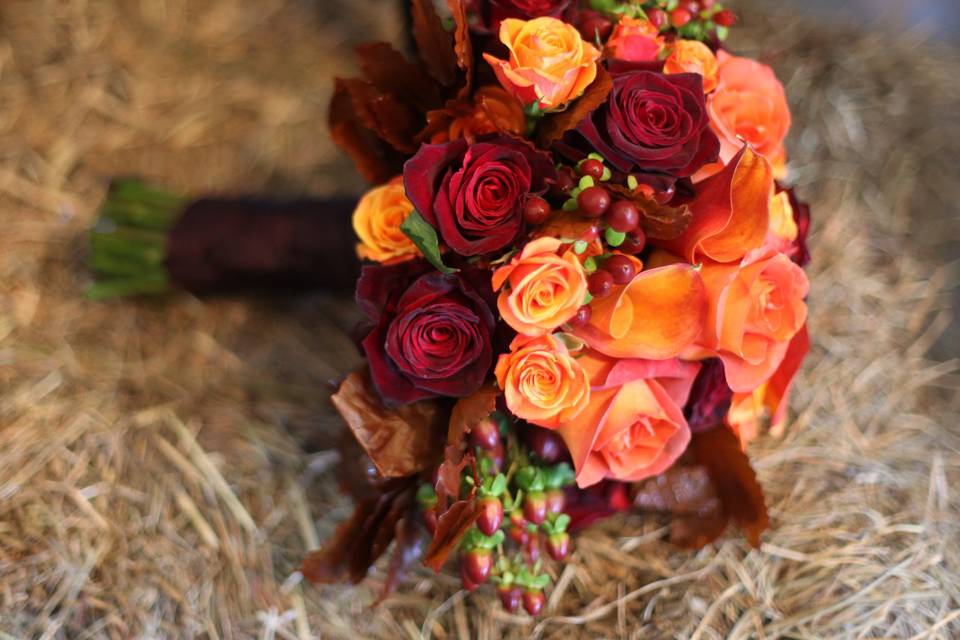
x,y
477,564
533,601
558,545
491,515
556,500
485,434
535,507
465,578
510,597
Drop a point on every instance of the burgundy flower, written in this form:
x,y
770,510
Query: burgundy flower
x,y
653,122
493,12
431,333
709,397
801,216
473,195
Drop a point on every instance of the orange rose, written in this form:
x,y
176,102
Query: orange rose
x,y
692,56
634,40
783,226
493,110
755,309
541,290
377,220
542,383
749,104
549,62
656,315
633,426
768,401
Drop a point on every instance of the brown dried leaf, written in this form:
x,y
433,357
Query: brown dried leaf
x,y
386,69
400,441
409,538
659,222
553,126
375,161
451,527
384,114
434,44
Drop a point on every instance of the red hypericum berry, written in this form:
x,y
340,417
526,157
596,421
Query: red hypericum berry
x,y
620,267
665,196
594,25
485,434
692,6
706,5
533,601
591,167
535,507
510,597
593,201
622,216
532,548
430,519
657,18
478,563
536,210
725,18
680,17
491,515
558,545
519,535
556,500
634,243
496,457
581,317
545,444
591,233
465,578
600,283
566,181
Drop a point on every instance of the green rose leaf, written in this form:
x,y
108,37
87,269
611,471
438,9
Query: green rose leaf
x,y
425,237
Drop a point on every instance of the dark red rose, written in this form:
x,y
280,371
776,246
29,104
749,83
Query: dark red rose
x,y
653,122
709,397
493,12
431,333
473,195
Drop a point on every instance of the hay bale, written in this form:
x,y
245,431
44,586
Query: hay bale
x,y
152,478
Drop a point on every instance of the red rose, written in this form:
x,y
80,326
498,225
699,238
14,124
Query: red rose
x,y
473,195
653,122
431,333
493,12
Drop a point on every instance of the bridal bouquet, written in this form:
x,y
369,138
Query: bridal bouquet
x,y
583,287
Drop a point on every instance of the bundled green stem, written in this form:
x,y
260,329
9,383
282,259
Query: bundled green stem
x,y
128,243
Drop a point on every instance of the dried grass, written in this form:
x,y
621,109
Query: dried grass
x,y
151,478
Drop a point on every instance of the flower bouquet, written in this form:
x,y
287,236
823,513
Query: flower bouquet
x,y
582,281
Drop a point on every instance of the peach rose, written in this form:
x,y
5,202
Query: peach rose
x,y
692,56
783,226
633,426
493,110
755,308
656,315
749,103
768,402
377,220
549,62
634,40
542,382
540,289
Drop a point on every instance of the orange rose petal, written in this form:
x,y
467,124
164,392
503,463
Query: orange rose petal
x,y
580,433
744,376
731,212
778,387
656,316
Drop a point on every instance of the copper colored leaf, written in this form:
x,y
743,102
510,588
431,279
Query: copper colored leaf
x,y
434,44
451,527
386,69
734,480
553,126
383,113
462,46
448,474
469,411
408,546
375,160
659,221
400,441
